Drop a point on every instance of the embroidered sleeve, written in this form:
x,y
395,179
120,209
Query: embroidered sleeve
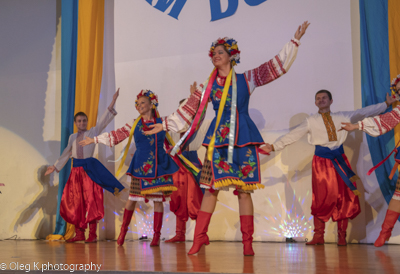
x,y
104,120
180,120
274,68
115,136
359,114
60,163
291,137
197,142
381,124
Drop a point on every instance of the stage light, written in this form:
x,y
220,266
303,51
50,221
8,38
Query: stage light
x,y
290,223
144,237
290,240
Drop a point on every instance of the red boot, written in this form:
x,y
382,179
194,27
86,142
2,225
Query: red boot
x,y
158,218
387,226
124,227
247,228
79,235
180,232
342,227
200,236
92,232
319,230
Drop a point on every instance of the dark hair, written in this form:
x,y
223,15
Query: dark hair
x,y
80,113
324,91
181,101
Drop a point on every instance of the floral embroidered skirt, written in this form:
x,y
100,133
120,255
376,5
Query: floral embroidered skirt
x,y
159,195
243,174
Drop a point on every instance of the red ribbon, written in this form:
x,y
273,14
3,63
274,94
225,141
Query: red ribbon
x,y
201,107
384,160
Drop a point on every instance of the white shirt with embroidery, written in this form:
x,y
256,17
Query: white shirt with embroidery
x,y
316,131
74,150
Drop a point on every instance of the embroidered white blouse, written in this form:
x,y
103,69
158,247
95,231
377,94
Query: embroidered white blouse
x,y
262,75
379,125
198,140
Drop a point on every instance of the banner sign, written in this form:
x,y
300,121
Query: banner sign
x,y
215,7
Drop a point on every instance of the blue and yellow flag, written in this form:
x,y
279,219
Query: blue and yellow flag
x,y
82,32
380,63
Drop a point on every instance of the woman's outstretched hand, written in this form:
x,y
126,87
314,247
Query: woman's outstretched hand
x,y
267,148
348,127
87,141
301,30
156,128
390,99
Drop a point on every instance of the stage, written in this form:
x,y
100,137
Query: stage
x,y
219,257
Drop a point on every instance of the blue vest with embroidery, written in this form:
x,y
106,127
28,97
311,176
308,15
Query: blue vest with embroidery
x,y
246,131
150,159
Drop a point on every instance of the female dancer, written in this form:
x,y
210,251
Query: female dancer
x,y
376,126
151,169
232,140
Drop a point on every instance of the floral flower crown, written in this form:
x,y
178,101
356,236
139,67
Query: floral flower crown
x,y
149,94
230,45
395,82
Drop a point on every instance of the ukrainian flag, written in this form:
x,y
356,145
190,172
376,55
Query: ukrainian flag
x,y
82,32
380,63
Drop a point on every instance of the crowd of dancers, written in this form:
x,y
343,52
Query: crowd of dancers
x,y
167,169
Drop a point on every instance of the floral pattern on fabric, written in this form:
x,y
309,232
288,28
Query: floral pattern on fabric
x,y
216,94
246,131
157,181
223,132
150,163
221,164
147,166
245,169
248,167
245,166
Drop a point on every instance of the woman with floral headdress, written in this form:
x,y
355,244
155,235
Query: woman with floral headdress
x,y
233,139
151,169
377,126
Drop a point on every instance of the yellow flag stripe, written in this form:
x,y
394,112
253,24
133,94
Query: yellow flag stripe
x,y
89,63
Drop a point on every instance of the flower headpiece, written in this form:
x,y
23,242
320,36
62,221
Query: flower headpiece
x,y
230,45
395,82
149,94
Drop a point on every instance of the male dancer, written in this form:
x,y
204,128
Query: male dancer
x,y
185,202
333,181
82,199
